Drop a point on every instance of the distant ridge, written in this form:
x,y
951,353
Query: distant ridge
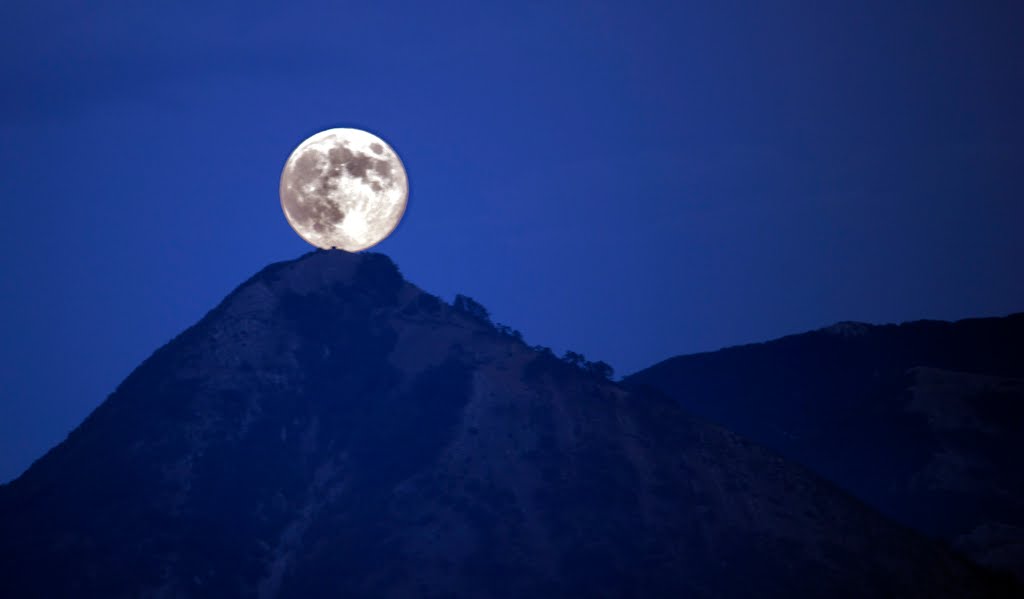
x,y
923,420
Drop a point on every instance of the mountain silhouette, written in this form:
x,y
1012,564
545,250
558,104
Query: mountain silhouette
x,y
330,430
923,420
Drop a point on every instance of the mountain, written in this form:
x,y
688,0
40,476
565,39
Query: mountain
x,y
923,420
331,430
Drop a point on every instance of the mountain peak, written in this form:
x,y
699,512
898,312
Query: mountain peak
x,y
323,268
330,429
321,271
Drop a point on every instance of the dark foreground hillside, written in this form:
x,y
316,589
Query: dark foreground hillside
x,y
923,420
330,430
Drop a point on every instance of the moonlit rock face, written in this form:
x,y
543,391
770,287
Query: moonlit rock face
x,y
344,188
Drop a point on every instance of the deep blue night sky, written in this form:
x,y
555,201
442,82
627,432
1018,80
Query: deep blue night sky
x,y
631,180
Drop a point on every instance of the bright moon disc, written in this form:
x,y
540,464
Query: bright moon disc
x,y
344,188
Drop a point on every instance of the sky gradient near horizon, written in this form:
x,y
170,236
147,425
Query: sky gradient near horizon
x,y
628,180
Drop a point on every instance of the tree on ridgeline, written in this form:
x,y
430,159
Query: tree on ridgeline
x,y
472,308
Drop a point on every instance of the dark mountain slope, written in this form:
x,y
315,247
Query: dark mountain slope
x,y
923,420
331,430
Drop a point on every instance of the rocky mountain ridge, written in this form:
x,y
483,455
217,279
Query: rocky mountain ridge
x,y
331,430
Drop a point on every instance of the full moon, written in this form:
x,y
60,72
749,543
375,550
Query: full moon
x,y
345,189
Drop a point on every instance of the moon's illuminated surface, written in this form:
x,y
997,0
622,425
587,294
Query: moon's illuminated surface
x,y
344,188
